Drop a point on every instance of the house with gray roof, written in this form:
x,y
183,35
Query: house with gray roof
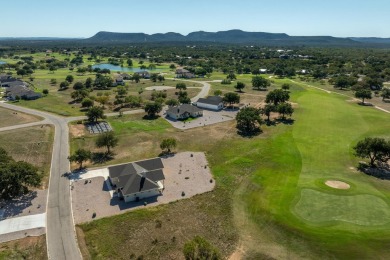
x,y
22,91
138,180
184,111
211,102
183,73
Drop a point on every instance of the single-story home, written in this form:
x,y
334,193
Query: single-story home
x,y
144,74
183,73
126,76
184,111
21,91
138,180
211,102
119,80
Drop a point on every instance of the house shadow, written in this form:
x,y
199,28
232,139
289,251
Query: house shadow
x,y
115,201
16,206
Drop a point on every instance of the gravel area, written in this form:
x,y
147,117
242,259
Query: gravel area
x,y
209,118
30,204
184,172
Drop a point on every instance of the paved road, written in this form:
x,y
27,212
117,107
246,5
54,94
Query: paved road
x,y
204,92
60,231
11,225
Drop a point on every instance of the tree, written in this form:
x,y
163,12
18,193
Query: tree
x,y
79,94
181,86
153,108
172,66
200,249
108,140
259,82
87,102
231,98
167,144
160,78
16,177
285,109
217,92
136,77
94,114
344,81
267,110
53,81
78,85
69,78
376,149
102,100
45,91
363,94
88,82
385,93
239,86
172,102
129,63
153,77
277,96
64,85
80,156
231,76
286,86
21,72
248,120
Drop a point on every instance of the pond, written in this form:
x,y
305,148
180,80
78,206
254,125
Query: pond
x,y
2,62
119,68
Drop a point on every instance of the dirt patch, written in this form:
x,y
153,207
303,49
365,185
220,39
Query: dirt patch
x,y
25,248
338,184
10,117
77,130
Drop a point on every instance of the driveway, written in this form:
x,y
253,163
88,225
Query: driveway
x,y
22,223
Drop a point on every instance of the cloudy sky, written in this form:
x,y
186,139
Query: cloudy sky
x,y
83,18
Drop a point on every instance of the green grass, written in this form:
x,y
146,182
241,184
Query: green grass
x,y
273,184
127,125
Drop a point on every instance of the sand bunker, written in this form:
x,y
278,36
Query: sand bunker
x,y
338,184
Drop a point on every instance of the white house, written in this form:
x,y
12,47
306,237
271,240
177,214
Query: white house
x,y
138,180
212,102
184,111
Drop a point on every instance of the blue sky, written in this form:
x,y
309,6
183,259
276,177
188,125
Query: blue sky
x,y
83,18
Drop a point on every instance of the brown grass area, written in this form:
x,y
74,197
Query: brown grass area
x,y
31,144
10,117
77,130
25,248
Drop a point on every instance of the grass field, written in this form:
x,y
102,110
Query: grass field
x,y
273,185
10,117
29,248
31,144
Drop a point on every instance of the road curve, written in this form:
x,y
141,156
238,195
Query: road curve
x,y
60,232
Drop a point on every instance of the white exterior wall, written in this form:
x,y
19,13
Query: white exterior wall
x,y
141,195
172,115
208,106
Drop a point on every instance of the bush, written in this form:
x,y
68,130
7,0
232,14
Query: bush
x,y
226,82
200,248
45,91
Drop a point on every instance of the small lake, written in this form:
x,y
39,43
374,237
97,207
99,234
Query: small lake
x,y
2,62
119,68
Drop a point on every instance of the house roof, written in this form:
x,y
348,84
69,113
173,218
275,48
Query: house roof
x,y
21,91
184,108
212,100
137,176
181,71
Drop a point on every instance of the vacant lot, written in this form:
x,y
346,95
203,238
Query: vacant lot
x,y
10,117
26,248
31,144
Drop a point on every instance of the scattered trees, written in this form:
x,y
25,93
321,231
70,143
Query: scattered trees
x,y
16,177
87,102
108,140
172,102
181,86
153,108
363,94
167,144
277,96
248,120
94,114
376,149
260,83
239,86
231,98
284,109
69,78
385,93
80,156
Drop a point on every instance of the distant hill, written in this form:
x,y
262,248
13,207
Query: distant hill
x,y
231,36
371,40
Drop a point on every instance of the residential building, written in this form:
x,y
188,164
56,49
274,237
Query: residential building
x,y
184,111
211,102
183,73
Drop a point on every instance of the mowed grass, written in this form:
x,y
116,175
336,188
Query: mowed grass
x,y
270,188
25,248
31,144
10,117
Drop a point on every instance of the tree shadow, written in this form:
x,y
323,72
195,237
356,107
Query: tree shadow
x,y
365,104
15,206
285,121
148,117
101,157
249,134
